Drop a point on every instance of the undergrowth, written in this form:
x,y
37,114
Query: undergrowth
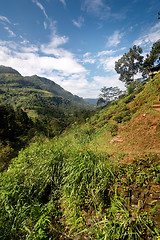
x,y
52,189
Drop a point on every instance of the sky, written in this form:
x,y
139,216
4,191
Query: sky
x,y
75,43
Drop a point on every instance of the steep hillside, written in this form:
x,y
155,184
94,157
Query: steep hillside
x,y
131,124
37,96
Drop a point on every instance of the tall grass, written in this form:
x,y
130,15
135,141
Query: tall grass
x,y
53,188
122,224
33,180
86,184
87,176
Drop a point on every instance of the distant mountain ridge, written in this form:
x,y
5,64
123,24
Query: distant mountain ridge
x,y
50,86
38,96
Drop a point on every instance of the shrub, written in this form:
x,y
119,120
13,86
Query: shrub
x,y
113,129
129,98
122,116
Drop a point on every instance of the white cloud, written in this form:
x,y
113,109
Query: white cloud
x,y
105,52
93,5
41,7
109,81
51,47
101,9
31,49
75,82
114,39
97,7
60,65
28,58
11,33
64,70
4,19
109,52
152,35
64,60
63,2
87,58
79,85
45,25
79,22
108,63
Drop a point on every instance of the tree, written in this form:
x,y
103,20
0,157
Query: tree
x,y
152,58
108,94
129,64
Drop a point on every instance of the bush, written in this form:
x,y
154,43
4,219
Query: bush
x,y
123,116
113,129
129,98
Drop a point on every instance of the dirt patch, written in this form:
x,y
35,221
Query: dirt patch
x,y
141,134
116,140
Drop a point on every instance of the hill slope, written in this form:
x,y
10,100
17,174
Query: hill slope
x,y
97,180
38,96
133,121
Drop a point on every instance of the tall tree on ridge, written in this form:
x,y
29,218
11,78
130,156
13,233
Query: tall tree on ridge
x,y
108,94
129,64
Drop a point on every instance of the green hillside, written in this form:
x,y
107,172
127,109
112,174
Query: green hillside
x,y
99,179
38,96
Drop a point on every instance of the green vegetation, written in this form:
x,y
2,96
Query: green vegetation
x,y
16,130
151,58
85,178
60,189
108,95
129,64
39,97
32,106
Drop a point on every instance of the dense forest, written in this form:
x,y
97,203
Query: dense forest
x,y
84,174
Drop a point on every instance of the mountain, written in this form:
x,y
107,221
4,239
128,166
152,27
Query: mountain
x,y
38,96
92,101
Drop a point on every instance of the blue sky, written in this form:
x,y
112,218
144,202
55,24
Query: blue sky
x,y
75,42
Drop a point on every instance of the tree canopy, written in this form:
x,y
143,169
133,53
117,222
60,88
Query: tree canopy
x,y
129,64
108,94
152,58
